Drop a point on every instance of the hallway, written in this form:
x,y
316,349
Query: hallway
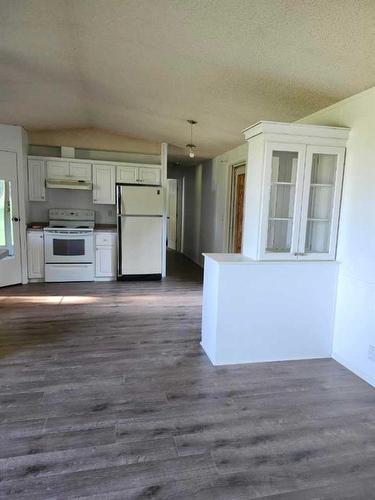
x,y
106,393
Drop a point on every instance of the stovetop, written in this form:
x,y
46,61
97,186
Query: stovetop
x,y
62,218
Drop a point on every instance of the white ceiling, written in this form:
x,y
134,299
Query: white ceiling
x,y
142,67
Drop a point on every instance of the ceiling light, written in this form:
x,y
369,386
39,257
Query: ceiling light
x,y
191,146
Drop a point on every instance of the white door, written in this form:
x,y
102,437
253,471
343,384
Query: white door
x,y
104,184
141,200
141,245
172,213
10,246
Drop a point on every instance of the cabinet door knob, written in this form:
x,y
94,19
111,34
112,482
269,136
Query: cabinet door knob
x,y
15,219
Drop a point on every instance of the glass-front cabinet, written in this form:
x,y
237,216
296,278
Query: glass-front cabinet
x,y
293,192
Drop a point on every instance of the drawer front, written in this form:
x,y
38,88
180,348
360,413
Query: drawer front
x,y
105,238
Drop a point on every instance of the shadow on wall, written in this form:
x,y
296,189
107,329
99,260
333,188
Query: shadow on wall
x,y
208,227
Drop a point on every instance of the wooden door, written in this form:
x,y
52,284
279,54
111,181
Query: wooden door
x,y
238,210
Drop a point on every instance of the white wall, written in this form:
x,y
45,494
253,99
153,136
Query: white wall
x,y
263,311
355,309
207,202
191,177
215,199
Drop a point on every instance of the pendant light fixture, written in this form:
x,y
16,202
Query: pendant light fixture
x,y
191,146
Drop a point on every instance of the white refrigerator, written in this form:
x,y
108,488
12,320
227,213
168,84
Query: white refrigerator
x,y
140,231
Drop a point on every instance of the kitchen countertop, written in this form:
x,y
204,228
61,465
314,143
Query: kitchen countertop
x,y
40,224
111,228
237,258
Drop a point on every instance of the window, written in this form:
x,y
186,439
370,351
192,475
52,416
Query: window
x,y
6,226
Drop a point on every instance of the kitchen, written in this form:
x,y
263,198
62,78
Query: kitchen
x,y
89,219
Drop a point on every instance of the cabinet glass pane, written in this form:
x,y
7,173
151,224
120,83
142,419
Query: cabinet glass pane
x,y
282,197
319,216
279,237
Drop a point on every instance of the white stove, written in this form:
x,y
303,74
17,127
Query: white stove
x,y
69,245
71,218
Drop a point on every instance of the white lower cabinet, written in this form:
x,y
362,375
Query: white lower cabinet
x,y
35,254
105,255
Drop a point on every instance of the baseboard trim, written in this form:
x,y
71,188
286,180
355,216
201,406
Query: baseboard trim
x,y
365,376
192,260
139,277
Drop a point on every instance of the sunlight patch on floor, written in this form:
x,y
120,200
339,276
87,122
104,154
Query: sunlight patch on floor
x,y
49,299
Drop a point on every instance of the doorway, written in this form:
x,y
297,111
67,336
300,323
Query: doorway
x,y
10,244
174,213
236,207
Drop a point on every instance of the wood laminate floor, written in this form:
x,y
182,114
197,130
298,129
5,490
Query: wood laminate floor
x,y
107,394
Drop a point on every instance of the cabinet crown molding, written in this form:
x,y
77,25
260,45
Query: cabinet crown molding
x,y
296,129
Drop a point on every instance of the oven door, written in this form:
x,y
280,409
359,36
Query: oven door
x,y
68,246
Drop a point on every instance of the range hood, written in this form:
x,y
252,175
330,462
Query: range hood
x,y
69,184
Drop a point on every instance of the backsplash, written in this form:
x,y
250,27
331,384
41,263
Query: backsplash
x,y
64,198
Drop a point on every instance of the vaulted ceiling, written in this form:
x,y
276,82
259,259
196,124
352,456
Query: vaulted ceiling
x,y
143,67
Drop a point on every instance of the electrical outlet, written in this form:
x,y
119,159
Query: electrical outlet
x,y
371,352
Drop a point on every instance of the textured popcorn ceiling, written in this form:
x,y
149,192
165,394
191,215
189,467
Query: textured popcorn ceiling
x,y
142,67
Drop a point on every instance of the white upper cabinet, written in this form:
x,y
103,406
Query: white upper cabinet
x,y
37,180
127,174
293,189
103,176
60,169
80,171
135,174
57,169
104,179
150,175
